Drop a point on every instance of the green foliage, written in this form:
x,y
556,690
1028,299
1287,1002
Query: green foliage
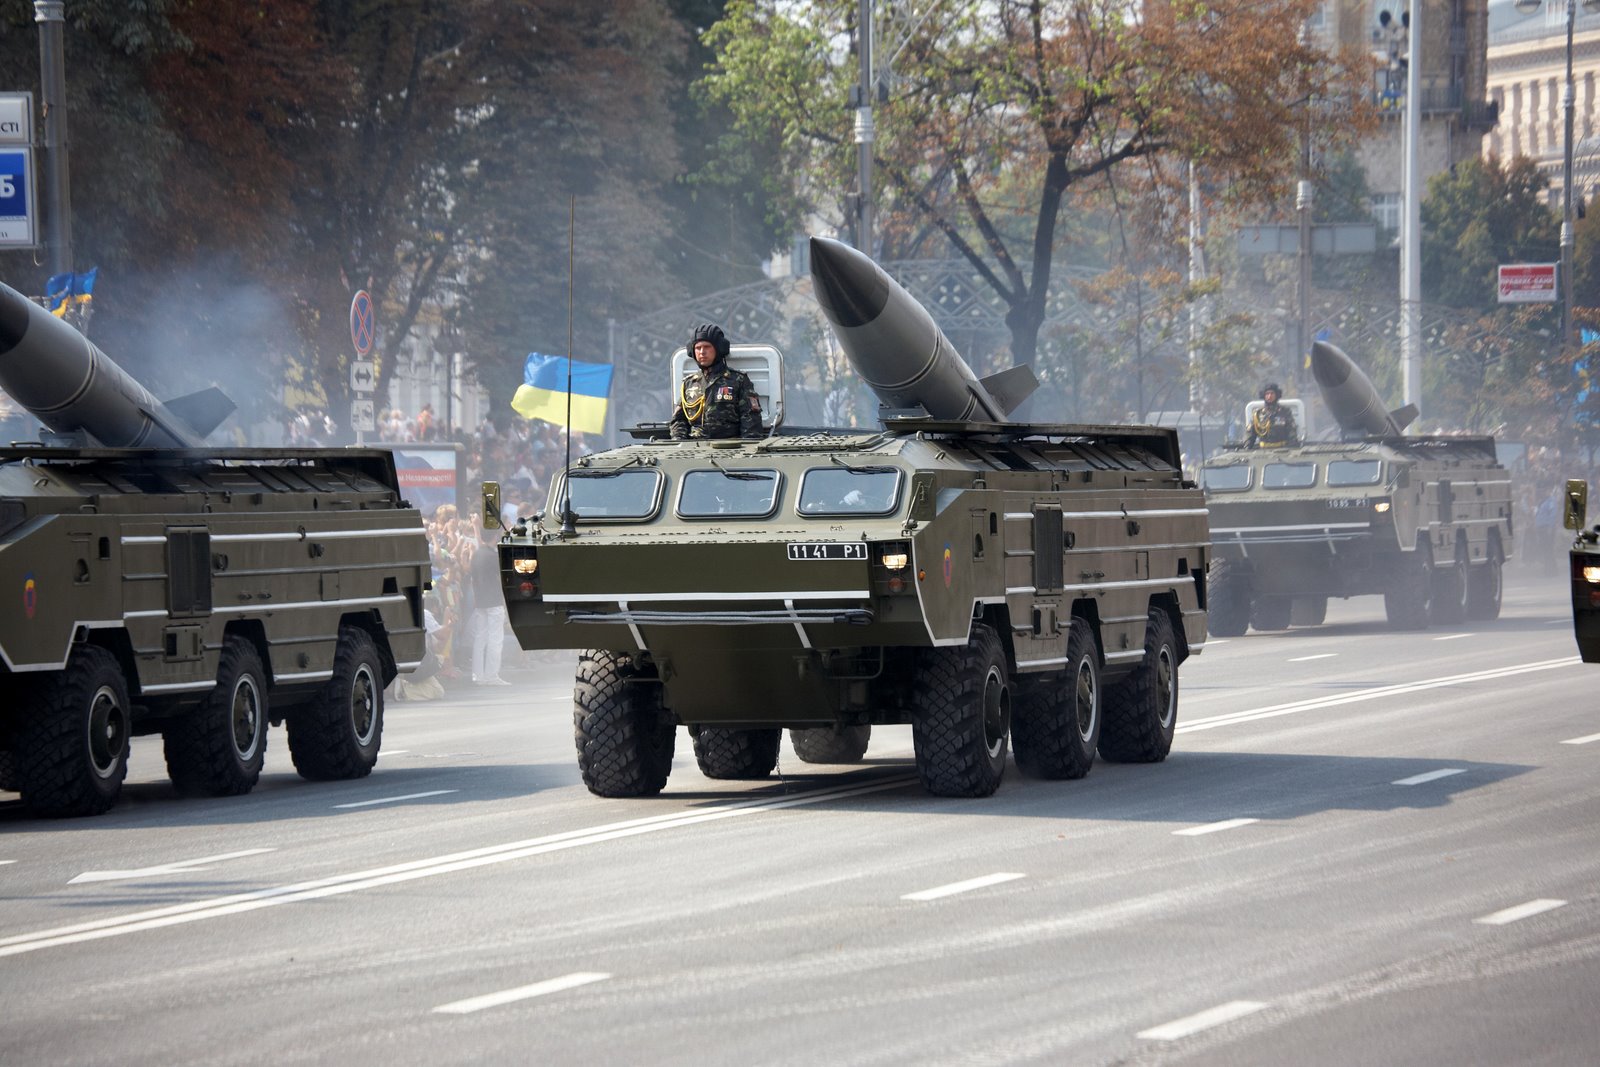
x,y
1477,216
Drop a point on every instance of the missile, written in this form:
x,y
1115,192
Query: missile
x,y
68,384
897,348
1352,398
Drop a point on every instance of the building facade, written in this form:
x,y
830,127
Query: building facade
x,y
1527,73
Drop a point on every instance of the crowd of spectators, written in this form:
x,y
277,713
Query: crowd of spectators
x,y
523,457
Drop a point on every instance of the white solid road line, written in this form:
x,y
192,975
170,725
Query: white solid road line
x,y
179,867
396,800
1430,776
1213,827
1308,659
1582,740
236,903
1452,637
1521,911
962,887
4,862
1204,1020
1237,717
510,996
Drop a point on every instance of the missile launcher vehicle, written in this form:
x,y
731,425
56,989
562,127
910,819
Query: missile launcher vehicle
x,y
1423,520
1584,562
998,586
203,594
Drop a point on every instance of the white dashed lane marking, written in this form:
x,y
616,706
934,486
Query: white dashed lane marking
x,y
1582,740
396,800
527,992
1451,637
963,887
1308,659
1430,776
1204,1020
1521,911
1213,827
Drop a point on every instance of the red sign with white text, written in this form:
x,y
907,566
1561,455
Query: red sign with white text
x,y
1528,283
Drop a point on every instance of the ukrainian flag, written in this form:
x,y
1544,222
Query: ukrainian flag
x,y
544,392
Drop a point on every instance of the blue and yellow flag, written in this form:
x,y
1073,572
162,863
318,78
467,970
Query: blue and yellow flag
x,y
544,392
63,290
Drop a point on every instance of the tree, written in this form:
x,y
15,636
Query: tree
x,y
997,110
1476,216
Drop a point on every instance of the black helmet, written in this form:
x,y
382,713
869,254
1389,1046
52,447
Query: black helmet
x,y
714,334
1271,387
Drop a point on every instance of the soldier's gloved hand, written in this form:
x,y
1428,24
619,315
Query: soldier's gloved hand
x,y
697,432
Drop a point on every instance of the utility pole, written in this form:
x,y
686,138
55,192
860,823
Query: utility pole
x,y
1199,309
1567,101
864,130
53,95
1411,238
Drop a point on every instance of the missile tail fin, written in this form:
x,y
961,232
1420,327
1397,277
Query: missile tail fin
x,y
204,411
1403,417
1011,387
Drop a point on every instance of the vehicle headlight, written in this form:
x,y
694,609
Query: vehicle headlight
x,y
895,561
525,566
1591,573
1381,506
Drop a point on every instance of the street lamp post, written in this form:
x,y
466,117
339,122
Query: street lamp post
x,y
1568,103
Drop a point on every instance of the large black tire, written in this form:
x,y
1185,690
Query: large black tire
x,y
1228,599
72,751
1141,711
961,716
824,744
1309,611
1271,612
1406,605
736,754
1485,585
625,738
1448,605
218,749
1055,725
337,733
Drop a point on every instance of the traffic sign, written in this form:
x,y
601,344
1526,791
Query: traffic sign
x,y
363,322
363,376
363,419
17,223
16,118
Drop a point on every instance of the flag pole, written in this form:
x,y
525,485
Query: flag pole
x,y
569,518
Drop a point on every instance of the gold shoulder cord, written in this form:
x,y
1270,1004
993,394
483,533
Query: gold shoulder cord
x,y
691,411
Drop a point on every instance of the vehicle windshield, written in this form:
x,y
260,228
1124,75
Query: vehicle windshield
x,y
849,491
1226,478
1354,471
1289,475
615,494
747,493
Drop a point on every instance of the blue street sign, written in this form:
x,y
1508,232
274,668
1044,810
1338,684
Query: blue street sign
x,y
17,222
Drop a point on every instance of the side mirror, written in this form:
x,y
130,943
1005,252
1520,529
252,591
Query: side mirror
x,y
1577,503
491,505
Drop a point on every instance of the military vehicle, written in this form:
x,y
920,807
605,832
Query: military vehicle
x,y
1423,520
1585,571
996,585
202,594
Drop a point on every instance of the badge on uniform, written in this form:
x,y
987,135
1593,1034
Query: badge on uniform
x,y
725,394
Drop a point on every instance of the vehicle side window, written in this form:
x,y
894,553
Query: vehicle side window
x,y
720,493
613,494
1354,471
849,491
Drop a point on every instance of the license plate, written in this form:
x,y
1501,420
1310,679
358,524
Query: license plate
x,y
828,550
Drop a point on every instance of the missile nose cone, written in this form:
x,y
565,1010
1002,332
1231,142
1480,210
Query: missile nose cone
x,y
13,317
849,286
1329,366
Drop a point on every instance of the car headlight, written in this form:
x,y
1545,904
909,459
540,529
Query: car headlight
x,y
525,566
895,561
1381,506
1591,574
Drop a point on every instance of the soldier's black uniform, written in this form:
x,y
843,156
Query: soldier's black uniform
x,y
716,401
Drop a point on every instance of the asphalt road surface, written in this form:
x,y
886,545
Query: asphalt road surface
x,y
1366,848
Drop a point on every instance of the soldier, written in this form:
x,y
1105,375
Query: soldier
x,y
1272,425
716,400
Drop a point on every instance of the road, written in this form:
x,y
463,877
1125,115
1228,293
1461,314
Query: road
x,y
1366,848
